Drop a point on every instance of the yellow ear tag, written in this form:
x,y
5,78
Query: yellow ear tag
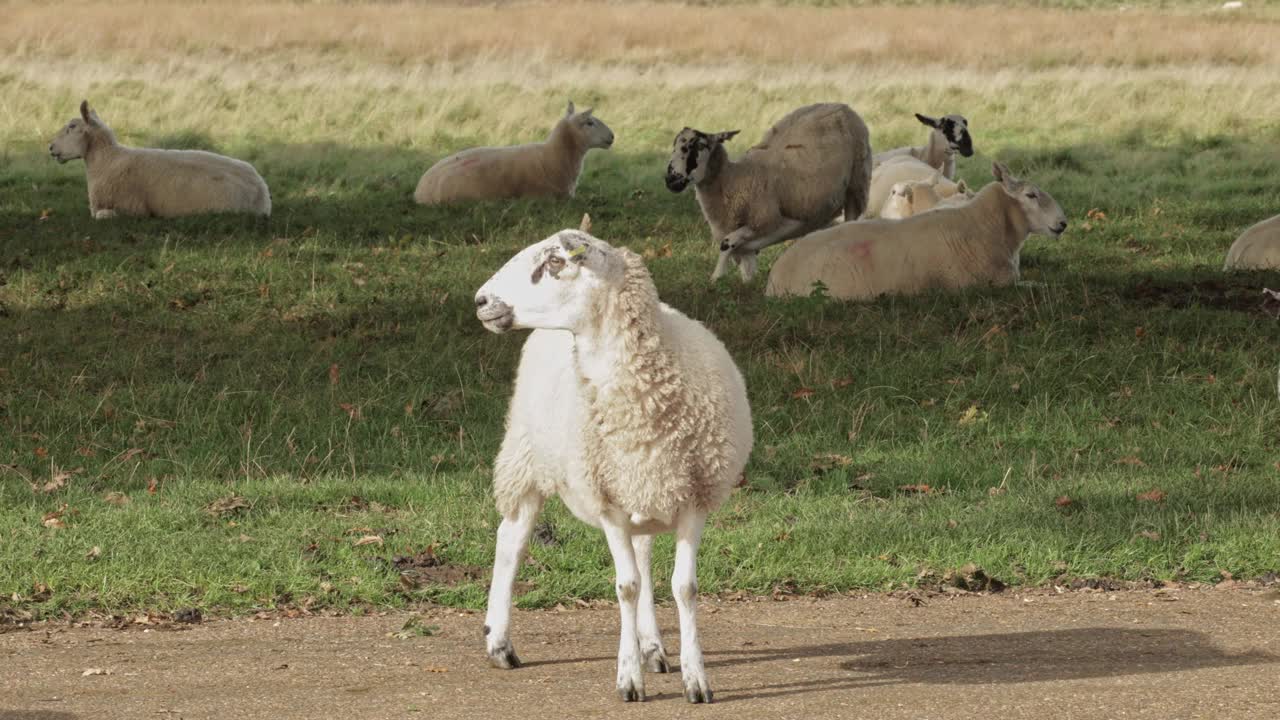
x,y
577,251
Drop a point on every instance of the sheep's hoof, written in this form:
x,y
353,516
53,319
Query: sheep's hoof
x,y
697,695
630,693
655,660
504,657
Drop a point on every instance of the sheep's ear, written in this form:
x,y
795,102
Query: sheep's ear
x,y
962,187
588,111
577,244
585,225
1005,178
569,110
87,113
722,137
926,120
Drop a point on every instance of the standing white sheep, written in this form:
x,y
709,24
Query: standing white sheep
x,y
162,183
549,168
810,166
974,244
950,135
634,414
1258,247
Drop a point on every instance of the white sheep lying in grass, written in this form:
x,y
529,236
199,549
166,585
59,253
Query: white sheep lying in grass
x,y
902,170
163,183
632,413
912,198
810,166
549,168
977,243
950,135
1257,248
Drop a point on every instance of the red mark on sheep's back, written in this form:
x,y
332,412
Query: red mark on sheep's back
x,y
861,252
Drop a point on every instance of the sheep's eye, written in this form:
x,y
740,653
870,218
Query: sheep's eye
x,y
591,123
1032,195
555,262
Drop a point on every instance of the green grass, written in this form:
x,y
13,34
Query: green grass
x,y
331,353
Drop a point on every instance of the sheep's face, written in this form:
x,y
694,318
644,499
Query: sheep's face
x,y
1044,214
71,142
898,205
955,128
690,155
548,285
592,129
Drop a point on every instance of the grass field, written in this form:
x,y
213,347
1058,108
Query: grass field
x,y
326,368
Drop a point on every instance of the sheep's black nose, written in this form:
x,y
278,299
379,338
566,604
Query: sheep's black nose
x,y
481,300
1061,227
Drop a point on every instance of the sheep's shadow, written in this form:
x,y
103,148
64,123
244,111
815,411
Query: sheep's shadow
x,y
1004,658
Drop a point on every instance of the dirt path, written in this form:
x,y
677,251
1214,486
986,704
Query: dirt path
x,y
1157,654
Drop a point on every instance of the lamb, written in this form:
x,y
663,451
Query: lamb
x,y
1257,248
545,169
150,182
950,135
900,170
634,414
912,198
811,165
977,243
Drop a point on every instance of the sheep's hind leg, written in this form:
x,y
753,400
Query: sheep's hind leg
x,y
746,265
513,538
104,214
651,649
630,674
684,585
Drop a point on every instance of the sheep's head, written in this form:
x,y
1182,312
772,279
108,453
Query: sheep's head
x,y
590,128
1044,214
955,128
550,284
690,155
74,139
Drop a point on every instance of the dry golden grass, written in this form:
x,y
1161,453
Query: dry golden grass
x,y
988,38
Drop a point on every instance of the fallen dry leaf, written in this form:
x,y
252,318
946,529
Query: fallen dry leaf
x,y
152,485
42,452
436,669
352,411
1063,501
94,553
803,392
921,489
971,416
54,519
116,498
1151,535
1154,495
95,671
227,505
823,462
1131,460
333,374
369,540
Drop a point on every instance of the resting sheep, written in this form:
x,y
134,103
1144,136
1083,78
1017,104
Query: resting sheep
x,y
977,243
950,135
902,170
912,198
634,414
1257,248
162,183
810,166
545,169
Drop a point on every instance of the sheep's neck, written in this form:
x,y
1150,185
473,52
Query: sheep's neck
x,y
937,154
711,192
994,203
100,148
619,351
564,152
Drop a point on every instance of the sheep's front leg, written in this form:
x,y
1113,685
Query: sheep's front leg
x,y
655,656
684,585
104,214
513,538
728,245
630,675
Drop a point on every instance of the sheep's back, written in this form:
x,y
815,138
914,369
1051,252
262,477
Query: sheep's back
x,y
183,182
1258,247
816,149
